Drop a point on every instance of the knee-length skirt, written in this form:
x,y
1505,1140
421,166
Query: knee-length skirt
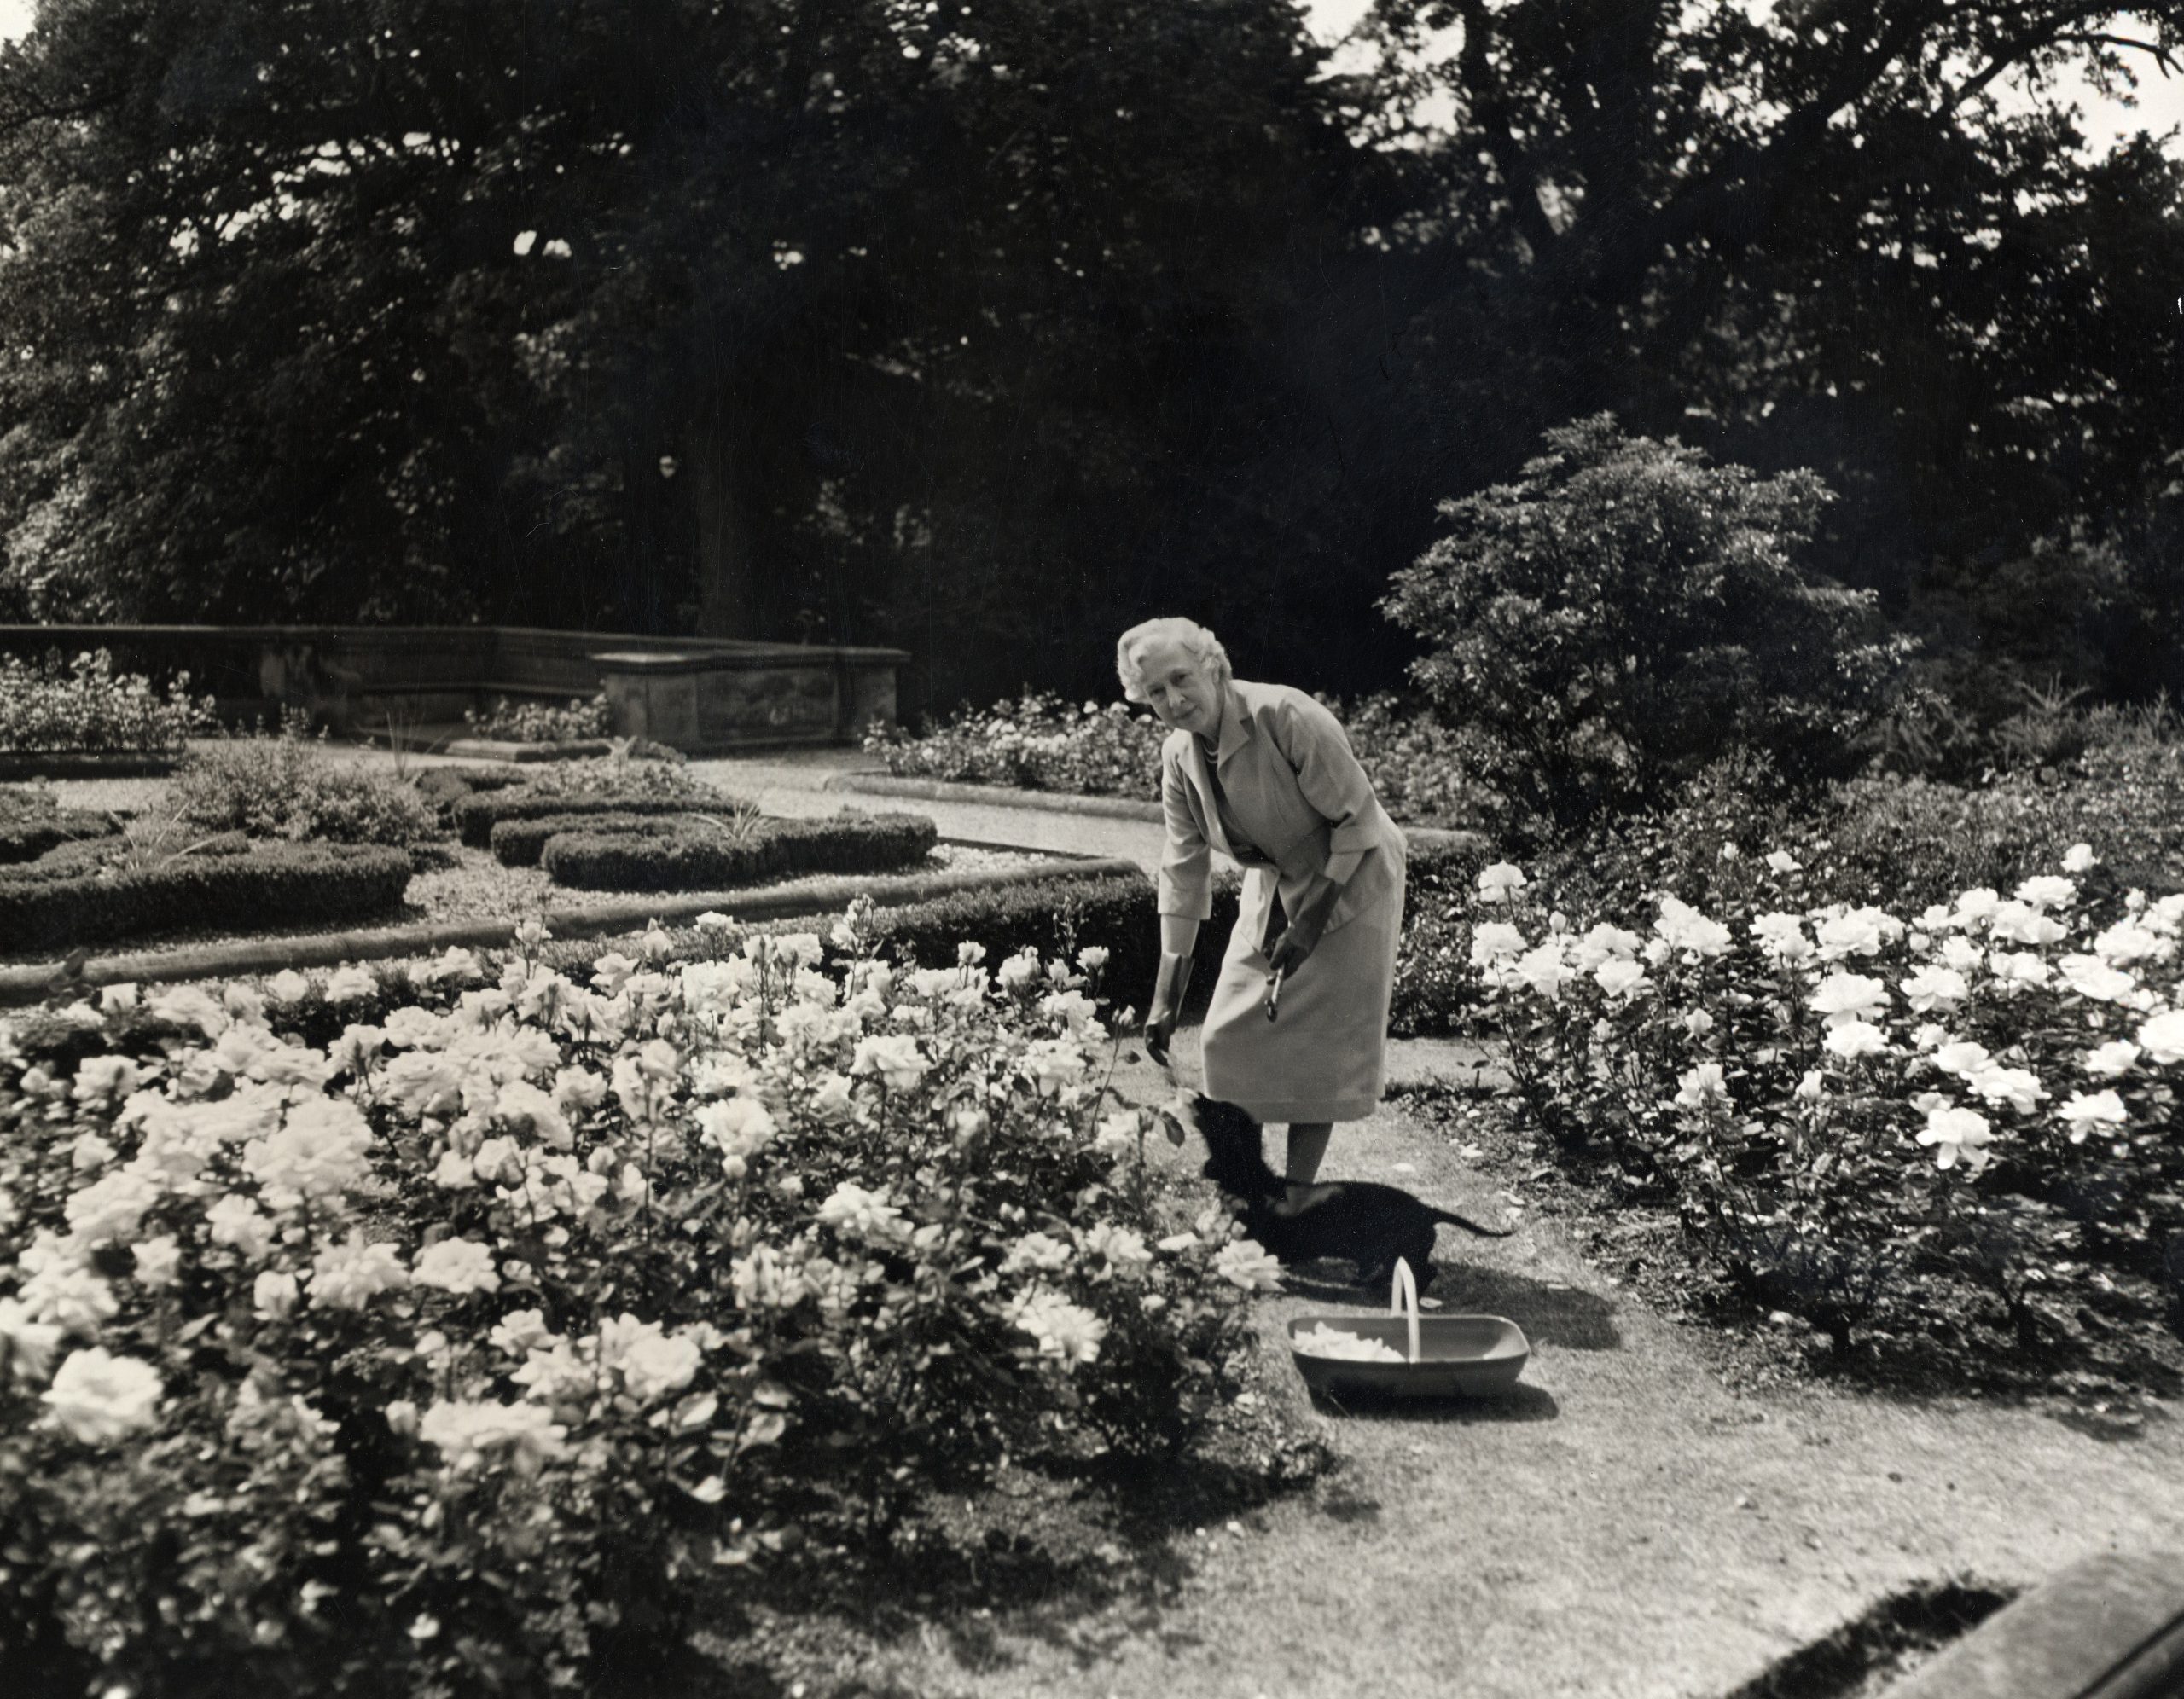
x,y
1325,1057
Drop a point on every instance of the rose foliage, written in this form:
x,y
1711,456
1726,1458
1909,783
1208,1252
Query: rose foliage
x,y
460,1340
1916,1124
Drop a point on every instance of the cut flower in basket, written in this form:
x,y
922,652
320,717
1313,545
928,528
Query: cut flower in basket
x,y
1323,1341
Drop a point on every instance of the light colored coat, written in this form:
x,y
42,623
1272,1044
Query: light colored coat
x,y
1292,782
1299,794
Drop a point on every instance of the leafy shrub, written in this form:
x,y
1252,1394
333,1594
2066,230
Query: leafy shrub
x,y
1941,1125
1625,614
83,705
712,858
44,905
444,786
1036,743
1039,743
541,722
288,787
398,1372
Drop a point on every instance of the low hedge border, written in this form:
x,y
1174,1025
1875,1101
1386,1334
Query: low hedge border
x,y
812,901
87,764
278,884
519,843
25,840
683,860
475,816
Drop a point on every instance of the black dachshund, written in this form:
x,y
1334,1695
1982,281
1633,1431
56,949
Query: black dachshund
x,y
1359,1222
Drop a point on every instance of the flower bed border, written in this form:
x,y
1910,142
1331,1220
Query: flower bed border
x,y
32,983
87,764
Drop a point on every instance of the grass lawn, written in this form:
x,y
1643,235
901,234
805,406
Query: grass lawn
x,y
1638,1518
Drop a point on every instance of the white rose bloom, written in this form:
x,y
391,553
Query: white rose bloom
x,y
1036,1250
1495,941
1019,971
1783,863
351,984
1976,905
1962,956
274,1295
236,1220
2162,1038
1962,1059
158,1261
2047,891
320,1152
1066,1331
464,1432
1854,1038
2019,970
1248,1264
459,1265
1117,1134
1935,988
894,1057
349,1275
1703,1087
1682,927
1844,997
1619,978
2079,858
2127,940
1958,1135
2094,979
1781,937
1812,1086
2020,923
2085,1113
2113,1059
97,1399
520,1331
856,1212
1052,1064
2017,1087
1121,1247
1605,942
1501,882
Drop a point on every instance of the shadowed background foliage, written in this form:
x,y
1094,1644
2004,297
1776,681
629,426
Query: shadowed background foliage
x,y
988,330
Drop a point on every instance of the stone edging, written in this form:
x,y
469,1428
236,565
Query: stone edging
x,y
28,984
498,748
1067,802
993,795
2110,1626
87,764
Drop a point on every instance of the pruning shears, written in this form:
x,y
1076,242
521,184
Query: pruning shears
x,y
1273,992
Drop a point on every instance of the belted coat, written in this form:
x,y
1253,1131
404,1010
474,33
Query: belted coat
x,y
1298,804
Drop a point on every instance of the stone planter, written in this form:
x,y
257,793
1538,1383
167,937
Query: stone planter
x,y
760,696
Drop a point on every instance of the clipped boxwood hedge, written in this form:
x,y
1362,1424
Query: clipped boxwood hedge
x,y
274,884
518,842
476,815
700,860
26,839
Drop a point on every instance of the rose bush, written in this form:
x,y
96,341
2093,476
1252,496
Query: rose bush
x,y
1872,1120
84,705
458,1330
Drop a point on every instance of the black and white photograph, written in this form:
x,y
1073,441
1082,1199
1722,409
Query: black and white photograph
x,y
1091,850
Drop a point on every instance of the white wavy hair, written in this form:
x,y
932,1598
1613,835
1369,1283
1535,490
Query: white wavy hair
x,y
1201,645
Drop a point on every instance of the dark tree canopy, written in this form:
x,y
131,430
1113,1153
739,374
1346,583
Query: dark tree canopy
x,y
989,329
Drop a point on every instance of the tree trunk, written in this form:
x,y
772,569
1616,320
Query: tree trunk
x,y
727,603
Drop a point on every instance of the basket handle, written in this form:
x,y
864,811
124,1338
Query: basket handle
x,y
1403,1301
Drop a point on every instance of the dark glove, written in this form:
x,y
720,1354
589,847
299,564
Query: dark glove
x,y
1302,935
1167,1004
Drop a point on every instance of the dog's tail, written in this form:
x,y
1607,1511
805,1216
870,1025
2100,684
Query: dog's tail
x,y
1470,1226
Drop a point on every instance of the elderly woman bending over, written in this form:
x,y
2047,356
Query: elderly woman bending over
x,y
1264,773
